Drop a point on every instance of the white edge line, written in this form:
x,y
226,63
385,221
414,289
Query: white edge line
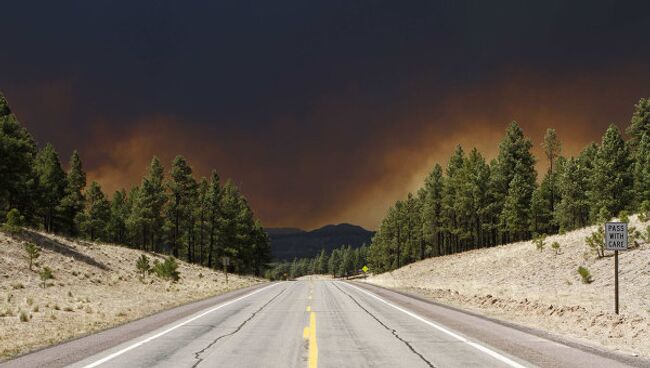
x,y
150,338
475,345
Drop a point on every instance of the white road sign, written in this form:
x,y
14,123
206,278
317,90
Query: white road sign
x,y
616,236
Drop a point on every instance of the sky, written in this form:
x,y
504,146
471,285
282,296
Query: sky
x,y
320,111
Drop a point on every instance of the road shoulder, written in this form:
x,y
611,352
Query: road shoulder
x,y
432,309
74,350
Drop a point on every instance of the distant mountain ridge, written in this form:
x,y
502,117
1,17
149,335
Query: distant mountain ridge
x,y
289,243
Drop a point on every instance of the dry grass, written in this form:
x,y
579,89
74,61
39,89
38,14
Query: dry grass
x,y
95,286
516,282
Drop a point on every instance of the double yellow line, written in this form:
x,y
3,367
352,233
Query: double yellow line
x,y
309,333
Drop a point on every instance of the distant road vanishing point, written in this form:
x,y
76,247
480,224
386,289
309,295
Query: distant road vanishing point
x,y
329,324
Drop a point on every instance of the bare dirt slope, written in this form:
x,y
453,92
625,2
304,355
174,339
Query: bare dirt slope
x,y
95,286
517,283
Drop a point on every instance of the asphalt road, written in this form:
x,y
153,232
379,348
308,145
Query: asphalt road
x,y
331,324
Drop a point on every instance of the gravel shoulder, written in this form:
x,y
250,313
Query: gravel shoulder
x,y
519,284
95,287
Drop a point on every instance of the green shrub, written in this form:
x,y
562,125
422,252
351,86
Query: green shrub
x,y
624,216
46,274
539,242
585,275
33,252
644,214
168,269
646,236
24,317
596,241
556,247
14,222
633,235
143,266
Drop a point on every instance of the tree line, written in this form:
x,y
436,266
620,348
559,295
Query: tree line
x,y
198,220
340,262
473,203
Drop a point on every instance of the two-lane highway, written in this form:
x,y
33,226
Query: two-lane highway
x,y
335,324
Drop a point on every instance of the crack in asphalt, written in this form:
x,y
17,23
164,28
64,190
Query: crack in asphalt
x,y
392,330
197,355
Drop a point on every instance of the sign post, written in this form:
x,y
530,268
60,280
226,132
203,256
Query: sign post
x,y
226,263
616,239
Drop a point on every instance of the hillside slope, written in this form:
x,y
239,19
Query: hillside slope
x,y
287,243
95,286
517,283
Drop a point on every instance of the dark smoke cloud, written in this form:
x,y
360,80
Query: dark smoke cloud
x,y
321,111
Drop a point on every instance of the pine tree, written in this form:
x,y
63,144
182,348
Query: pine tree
x,y
432,209
464,202
552,149
136,222
494,205
229,211
346,264
412,227
17,152
51,184
611,181
151,201
118,217
97,214
515,217
514,159
548,195
476,193
293,269
238,231
334,261
247,235
32,251
214,218
202,213
72,204
398,233
322,263
182,187
572,211
380,253
541,214
450,216
363,256
639,124
192,221
642,170
262,249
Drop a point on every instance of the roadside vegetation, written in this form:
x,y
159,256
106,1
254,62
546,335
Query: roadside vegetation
x,y
198,220
76,287
74,260
472,203
341,262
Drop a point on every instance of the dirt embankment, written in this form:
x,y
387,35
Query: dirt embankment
x,y
518,283
95,286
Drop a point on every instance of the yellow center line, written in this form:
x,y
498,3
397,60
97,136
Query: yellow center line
x,y
309,333
308,308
